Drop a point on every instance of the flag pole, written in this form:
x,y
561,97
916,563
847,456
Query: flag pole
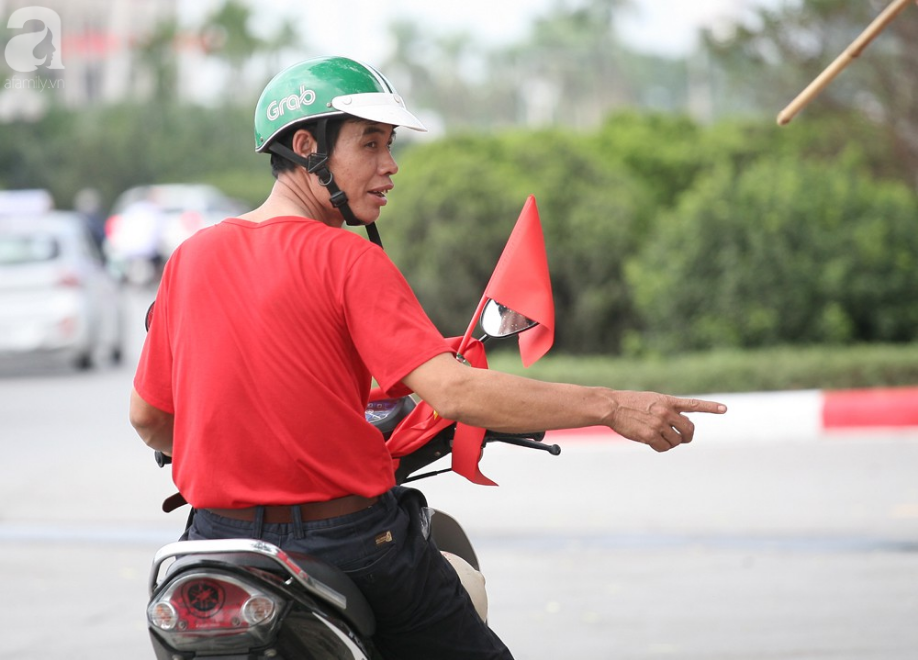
x,y
850,53
467,337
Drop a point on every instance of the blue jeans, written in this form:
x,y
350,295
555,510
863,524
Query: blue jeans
x,y
422,610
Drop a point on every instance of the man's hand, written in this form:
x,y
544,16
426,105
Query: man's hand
x,y
657,419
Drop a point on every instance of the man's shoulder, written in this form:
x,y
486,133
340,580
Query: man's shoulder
x,y
342,245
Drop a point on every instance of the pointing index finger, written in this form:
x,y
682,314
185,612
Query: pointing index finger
x,y
700,405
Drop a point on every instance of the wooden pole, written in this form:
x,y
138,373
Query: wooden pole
x,y
851,52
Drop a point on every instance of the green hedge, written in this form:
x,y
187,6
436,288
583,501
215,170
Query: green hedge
x,y
773,369
665,236
783,252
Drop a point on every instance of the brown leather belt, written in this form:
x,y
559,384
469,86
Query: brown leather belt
x,y
309,511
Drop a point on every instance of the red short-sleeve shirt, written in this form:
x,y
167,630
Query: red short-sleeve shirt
x,y
263,342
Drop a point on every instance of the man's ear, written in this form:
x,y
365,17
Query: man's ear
x,y
303,143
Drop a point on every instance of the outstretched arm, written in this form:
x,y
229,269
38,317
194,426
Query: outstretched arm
x,y
503,402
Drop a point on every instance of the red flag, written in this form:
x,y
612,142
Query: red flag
x,y
520,281
423,423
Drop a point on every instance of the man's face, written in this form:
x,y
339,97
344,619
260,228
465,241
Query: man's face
x,y
363,166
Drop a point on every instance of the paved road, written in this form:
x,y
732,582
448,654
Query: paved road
x,y
741,550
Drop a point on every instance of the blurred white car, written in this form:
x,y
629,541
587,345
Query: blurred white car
x,y
56,297
148,222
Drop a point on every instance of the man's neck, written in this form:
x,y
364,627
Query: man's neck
x,y
289,199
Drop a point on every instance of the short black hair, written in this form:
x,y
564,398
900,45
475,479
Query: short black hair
x,y
281,164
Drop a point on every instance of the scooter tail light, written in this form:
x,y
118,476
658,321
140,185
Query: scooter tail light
x,y
210,611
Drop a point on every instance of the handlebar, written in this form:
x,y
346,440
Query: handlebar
x,y
437,447
528,440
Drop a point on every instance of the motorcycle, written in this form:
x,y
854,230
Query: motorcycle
x,y
245,599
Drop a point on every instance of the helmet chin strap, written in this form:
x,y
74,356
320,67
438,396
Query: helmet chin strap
x,y
317,163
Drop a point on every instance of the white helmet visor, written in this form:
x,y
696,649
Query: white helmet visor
x,y
381,107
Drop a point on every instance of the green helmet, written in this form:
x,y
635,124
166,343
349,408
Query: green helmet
x,y
325,87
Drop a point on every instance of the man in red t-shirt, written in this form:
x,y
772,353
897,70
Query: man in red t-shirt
x,y
265,335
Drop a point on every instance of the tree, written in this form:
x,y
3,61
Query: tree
x,y
785,251
455,204
285,38
575,54
228,33
156,55
570,70
773,56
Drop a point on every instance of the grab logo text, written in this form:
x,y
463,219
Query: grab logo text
x,y
276,109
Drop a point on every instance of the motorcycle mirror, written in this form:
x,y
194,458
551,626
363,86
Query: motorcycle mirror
x,y
500,321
